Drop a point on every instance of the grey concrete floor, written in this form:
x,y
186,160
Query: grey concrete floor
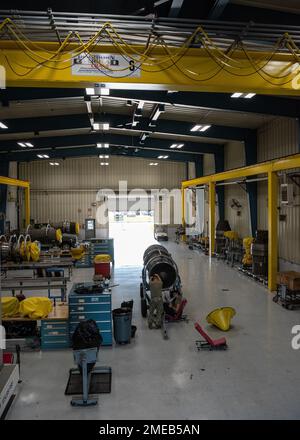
x,y
257,378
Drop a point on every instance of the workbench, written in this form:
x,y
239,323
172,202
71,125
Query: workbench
x,y
54,328
36,282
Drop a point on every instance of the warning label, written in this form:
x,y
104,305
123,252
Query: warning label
x,y
105,64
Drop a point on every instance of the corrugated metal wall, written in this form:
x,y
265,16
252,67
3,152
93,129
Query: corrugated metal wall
x,y
277,139
234,158
68,191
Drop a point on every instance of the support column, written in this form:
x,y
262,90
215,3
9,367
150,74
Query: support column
x,y
272,229
251,159
219,168
27,207
212,217
183,206
4,168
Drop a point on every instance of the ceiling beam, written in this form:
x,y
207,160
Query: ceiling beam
x,y
81,121
52,143
260,104
82,151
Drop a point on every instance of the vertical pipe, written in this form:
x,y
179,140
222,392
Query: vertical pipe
x,y
27,206
212,216
273,229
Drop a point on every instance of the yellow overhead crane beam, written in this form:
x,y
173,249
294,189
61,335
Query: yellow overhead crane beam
x,y
23,184
269,168
46,64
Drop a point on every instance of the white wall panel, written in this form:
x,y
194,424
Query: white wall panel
x,y
208,164
277,139
69,190
235,158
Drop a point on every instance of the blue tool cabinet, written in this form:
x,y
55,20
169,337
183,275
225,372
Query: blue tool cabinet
x,y
96,246
55,330
95,306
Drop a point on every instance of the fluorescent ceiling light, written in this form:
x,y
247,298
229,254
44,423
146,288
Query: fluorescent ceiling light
x,y
103,156
3,125
43,156
162,157
199,127
102,145
104,163
249,95
101,126
236,95
243,95
104,91
205,127
29,144
176,146
90,91
54,163
21,144
153,163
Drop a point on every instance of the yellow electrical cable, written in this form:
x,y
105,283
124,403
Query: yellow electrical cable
x,y
210,47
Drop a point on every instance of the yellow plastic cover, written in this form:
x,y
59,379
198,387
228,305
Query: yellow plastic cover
x,y
34,251
247,241
10,306
102,258
232,235
77,228
221,318
77,253
58,235
36,307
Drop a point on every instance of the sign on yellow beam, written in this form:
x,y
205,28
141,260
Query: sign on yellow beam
x,y
45,64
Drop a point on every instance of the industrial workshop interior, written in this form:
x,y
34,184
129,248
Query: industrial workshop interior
x,y
150,211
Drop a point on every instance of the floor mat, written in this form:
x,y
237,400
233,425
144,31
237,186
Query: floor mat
x,y
100,382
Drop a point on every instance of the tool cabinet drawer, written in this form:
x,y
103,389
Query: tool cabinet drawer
x,y
96,316
82,299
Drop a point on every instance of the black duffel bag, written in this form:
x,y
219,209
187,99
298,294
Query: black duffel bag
x,y
86,335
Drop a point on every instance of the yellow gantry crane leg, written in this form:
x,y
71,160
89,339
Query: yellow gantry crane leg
x,y
272,229
212,216
269,168
23,184
183,206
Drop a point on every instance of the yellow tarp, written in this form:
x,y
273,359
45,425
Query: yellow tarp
x,y
102,258
36,307
10,306
232,235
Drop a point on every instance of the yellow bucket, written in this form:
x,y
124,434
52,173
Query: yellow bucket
x,y
102,258
221,317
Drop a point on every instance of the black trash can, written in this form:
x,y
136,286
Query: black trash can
x,y
122,325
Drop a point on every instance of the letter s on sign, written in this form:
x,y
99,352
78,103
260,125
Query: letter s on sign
x,y
296,339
